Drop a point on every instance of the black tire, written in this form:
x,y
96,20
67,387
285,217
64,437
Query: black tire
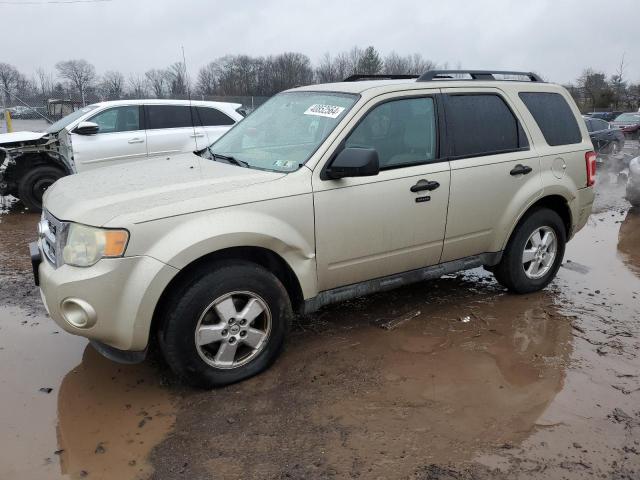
x,y
186,306
510,272
34,183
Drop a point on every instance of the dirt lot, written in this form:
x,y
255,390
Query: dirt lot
x,y
449,379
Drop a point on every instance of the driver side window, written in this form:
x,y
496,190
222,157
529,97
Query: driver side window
x,y
403,132
118,119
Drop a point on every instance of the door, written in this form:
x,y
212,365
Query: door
x,y
170,130
211,124
370,227
120,138
494,171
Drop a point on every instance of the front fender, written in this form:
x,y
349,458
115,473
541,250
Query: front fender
x,y
283,226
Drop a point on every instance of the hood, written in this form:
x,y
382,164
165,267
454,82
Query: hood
x,y
17,137
151,189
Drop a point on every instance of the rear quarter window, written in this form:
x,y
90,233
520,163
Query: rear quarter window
x,y
554,117
482,124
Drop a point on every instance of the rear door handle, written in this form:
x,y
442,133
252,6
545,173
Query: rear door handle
x,y
136,140
520,170
424,185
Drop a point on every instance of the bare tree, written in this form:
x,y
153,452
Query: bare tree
x,y
288,70
112,85
8,79
44,81
177,77
79,73
353,60
157,81
395,64
208,79
137,86
619,84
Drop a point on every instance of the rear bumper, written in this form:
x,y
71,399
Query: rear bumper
x,y
584,204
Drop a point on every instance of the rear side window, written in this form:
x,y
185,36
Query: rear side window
x,y
168,116
482,124
211,117
554,117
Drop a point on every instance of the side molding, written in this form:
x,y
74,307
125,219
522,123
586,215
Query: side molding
x,y
390,282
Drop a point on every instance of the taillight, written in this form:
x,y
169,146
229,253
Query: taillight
x,y
590,160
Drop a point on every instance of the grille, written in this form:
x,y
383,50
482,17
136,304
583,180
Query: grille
x,y
51,232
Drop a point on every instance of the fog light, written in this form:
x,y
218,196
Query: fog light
x,y
78,313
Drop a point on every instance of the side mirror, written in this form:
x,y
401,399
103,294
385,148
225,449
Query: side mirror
x,y
354,162
87,128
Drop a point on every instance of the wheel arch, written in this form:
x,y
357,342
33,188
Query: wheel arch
x,y
554,202
264,257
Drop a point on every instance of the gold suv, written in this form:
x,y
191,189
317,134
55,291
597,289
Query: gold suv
x,y
324,193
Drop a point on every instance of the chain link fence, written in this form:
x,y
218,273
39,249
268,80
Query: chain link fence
x,y
36,113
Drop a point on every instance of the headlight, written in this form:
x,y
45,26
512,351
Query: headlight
x,y
86,245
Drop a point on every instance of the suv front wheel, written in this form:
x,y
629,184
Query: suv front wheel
x,y
534,252
227,324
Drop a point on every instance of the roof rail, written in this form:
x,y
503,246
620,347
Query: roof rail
x,y
433,75
357,77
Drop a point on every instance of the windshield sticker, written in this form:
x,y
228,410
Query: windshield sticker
x,y
288,164
330,111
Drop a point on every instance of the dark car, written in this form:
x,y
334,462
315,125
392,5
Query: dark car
x,y
606,116
606,139
629,123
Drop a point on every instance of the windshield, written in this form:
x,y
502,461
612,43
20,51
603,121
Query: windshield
x,y
628,117
283,133
64,121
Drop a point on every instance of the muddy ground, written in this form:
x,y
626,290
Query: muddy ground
x,y
448,379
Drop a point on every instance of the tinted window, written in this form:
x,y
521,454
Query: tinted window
x,y
118,119
482,125
403,132
589,124
168,116
554,117
211,117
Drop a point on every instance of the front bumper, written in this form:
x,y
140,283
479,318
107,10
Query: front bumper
x,y
121,292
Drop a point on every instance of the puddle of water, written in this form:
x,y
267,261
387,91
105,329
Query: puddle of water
x,y
578,434
99,417
349,396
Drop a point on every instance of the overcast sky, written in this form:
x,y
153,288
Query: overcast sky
x,y
557,38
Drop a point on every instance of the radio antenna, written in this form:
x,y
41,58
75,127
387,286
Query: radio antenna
x,y
186,80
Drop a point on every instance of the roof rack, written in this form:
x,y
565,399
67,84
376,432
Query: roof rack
x,y
358,77
433,75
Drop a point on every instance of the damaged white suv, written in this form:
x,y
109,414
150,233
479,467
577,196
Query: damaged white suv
x,y
104,134
325,193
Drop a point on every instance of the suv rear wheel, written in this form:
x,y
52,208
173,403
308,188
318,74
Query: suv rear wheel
x,y
534,252
34,183
229,323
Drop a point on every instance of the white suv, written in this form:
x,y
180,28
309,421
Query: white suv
x,y
108,133
325,193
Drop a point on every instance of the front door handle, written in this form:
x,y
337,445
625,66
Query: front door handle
x,y
196,135
424,185
520,170
136,140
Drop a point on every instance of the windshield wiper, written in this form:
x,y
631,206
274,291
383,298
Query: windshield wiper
x,y
229,159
